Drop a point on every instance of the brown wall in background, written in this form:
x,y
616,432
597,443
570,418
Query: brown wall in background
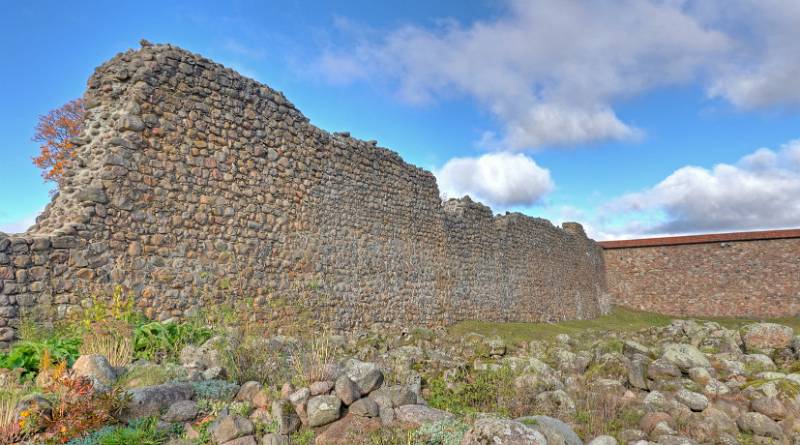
x,y
732,274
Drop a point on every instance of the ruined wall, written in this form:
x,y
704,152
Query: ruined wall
x,y
195,185
734,275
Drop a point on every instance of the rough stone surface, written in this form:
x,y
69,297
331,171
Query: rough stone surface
x,y
192,182
766,336
182,411
760,424
555,431
419,414
323,410
494,431
151,400
231,427
96,367
685,356
347,431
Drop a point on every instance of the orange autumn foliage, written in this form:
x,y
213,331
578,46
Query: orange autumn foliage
x,y
54,132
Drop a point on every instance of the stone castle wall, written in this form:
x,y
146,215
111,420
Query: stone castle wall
x,y
745,274
195,185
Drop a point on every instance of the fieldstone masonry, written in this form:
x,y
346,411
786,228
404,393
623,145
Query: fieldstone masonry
x,y
194,184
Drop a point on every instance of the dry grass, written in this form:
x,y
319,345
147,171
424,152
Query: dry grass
x,y
313,362
112,339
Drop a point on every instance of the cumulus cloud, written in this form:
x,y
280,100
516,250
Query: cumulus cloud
x,y
501,180
548,70
760,191
551,71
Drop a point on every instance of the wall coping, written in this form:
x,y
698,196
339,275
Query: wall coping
x,y
701,239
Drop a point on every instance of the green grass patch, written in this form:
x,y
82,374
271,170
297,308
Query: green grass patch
x,y
618,320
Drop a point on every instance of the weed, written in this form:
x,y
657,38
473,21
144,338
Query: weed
x,y
304,437
112,339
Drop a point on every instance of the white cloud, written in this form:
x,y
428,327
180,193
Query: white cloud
x,y
551,71
548,70
760,191
501,180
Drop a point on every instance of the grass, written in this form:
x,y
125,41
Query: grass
x,y
618,320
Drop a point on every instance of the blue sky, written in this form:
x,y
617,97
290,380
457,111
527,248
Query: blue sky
x,y
676,117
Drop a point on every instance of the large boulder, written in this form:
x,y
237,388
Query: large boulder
x,y
229,428
761,425
496,431
555,431
419,414
347,431
685,356
182,411
151,400
766,336
95,367
323,410
367,376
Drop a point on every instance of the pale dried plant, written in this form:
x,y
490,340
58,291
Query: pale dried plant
x,y
313,361
113,340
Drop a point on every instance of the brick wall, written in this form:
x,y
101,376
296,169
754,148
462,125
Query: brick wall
x,y
735,274
194,185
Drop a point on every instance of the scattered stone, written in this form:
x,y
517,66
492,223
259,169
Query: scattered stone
x,y
286,417
760,337
347,431
420,414
695,401
685,356
231,427
275,439
151,400
96,367
367,376
556,431
323,410
771,407
365,407
247,392
759,424
321,388
182,411
347,390
602,440
495,431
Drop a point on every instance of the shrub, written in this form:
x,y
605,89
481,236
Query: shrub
x,y
150,374
215,389
482,391
158,341
78,408
312,362
28,355
249,356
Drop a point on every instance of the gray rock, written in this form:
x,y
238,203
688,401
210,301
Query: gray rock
x,y
759,424
556,431
95,367
695,401
248,391
662,369
637,371
495,431
420,414
759,337
685,356
182,411
771,407
246,440
231,427
603,440
275,439
284,414
401,395
367,376
150,400
365,407
320,388
347,390
323,410
668,439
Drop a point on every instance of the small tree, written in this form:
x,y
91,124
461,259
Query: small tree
x,y
54,132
